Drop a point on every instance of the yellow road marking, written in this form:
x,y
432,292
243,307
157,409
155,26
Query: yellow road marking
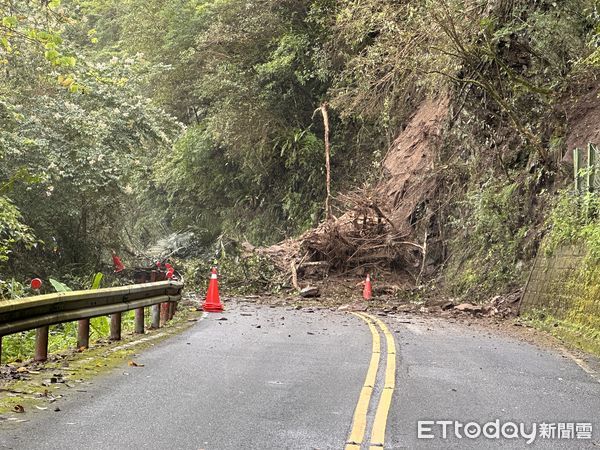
x,y
359,422
385,402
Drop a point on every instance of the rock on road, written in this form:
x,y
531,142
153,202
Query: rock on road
x,y
276,378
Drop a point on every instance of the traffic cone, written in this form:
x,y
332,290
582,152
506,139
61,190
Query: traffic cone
x,y
170,271
119,267
367,292
213,301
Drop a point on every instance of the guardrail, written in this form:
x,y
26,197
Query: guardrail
x,y
44,310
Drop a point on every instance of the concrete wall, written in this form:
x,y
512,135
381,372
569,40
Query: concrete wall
x,y
550,283
563,296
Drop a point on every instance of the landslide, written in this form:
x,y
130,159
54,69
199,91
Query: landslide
x,y
489,107
407,228
386,228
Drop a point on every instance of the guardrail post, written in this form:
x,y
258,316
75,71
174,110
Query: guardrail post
x,y
0,349
164,312
172,309
139,320
83,333
155,317
115,326
164,307
41,343
169,310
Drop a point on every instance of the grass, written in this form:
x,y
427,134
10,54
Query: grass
x,y
572,334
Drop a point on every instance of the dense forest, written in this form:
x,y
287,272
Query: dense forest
x,y
122,122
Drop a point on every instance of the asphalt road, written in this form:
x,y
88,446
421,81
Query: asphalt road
x,y
274,378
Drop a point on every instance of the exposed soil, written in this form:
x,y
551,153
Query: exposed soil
x,y
583,117
410,162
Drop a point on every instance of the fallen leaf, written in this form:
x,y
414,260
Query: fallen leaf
x,y
19,409
41,408
132,363
22,370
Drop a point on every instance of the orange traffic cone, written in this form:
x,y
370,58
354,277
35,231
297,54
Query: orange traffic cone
x,y
213,301
119,267
367,292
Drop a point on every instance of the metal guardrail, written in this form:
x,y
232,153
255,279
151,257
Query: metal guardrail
x,y
44,310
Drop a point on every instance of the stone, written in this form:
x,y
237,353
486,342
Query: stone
x,y
310,292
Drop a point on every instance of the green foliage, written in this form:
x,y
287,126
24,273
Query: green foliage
x,y
488,249
58,286
97,281
579,335
238,275
77,143
13,232
575,220
247,78
87,83
10,289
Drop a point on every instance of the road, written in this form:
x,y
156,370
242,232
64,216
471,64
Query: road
x,y
276,378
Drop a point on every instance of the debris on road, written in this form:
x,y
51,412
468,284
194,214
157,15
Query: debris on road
x,y
132,363
310,292
468,307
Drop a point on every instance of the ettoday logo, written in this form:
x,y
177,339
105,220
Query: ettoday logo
x,y
529,432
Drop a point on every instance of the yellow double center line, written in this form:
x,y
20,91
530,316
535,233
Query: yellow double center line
x,y
359,423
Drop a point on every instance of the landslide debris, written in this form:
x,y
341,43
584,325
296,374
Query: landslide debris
x,y
387,228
